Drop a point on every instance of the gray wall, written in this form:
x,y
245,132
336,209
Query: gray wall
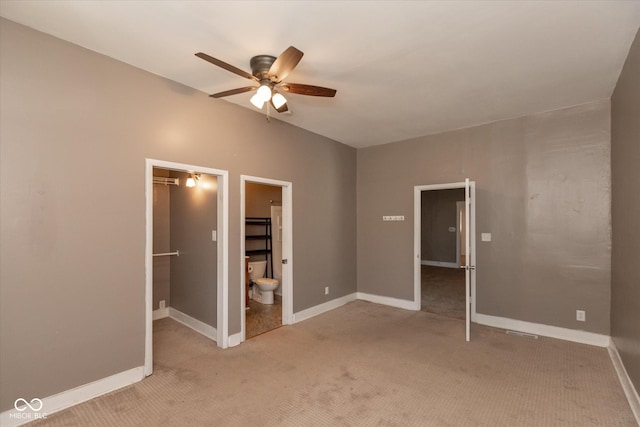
x,y
258,199
75,129
543,191
194,215
625,211
161,244
439,212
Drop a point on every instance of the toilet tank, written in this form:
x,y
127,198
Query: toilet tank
x,y
257,269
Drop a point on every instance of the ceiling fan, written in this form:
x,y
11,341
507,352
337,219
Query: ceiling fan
x,y
269,72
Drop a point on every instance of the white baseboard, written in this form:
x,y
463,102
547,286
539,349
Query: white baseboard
x,y
195,324
439,263
629,390
323,308
393,302
72,397
333,304
235,339
566,334
160,313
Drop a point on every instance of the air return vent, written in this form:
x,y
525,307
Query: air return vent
x,y
523,334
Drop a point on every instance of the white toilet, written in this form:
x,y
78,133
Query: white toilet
x,y
263,286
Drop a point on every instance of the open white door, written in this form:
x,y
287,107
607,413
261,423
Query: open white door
x,y
469,264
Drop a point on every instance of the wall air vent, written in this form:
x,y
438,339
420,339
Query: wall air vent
x,y
522,334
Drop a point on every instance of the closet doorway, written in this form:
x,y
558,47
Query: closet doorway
x,y
188,247
266,241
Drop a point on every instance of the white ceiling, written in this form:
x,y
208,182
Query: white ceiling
x,y
402,69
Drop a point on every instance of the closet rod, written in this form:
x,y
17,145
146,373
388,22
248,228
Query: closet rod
x,y
176,253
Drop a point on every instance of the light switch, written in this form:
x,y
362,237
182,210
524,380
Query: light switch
x,y
214,235
486,237
452,229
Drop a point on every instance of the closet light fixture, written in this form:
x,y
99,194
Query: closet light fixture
x,y
193,180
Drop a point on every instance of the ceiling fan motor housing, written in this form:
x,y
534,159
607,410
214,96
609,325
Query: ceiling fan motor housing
x,y
260,66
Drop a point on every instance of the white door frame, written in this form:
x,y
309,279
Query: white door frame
x,y
417,237
287,247
222,324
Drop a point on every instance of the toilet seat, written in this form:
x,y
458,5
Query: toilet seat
x,y
266,281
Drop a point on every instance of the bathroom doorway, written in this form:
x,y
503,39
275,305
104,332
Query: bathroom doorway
x,y
186,266
266,293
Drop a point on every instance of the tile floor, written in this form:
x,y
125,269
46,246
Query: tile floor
x,y
262,318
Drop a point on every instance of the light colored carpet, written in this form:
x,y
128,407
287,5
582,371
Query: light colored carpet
x,y
365,365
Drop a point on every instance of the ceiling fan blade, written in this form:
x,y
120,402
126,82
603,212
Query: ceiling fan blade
x,y
282,109
233,91
283,65
308,89
226,66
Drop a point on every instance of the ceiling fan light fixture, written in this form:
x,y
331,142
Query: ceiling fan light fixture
x,y
269,73
257,101
278,100
264,93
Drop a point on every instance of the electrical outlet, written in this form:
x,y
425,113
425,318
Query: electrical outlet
x,y
326,290
162,304
581,316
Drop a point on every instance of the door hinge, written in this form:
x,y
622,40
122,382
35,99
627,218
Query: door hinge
x,y
284,261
